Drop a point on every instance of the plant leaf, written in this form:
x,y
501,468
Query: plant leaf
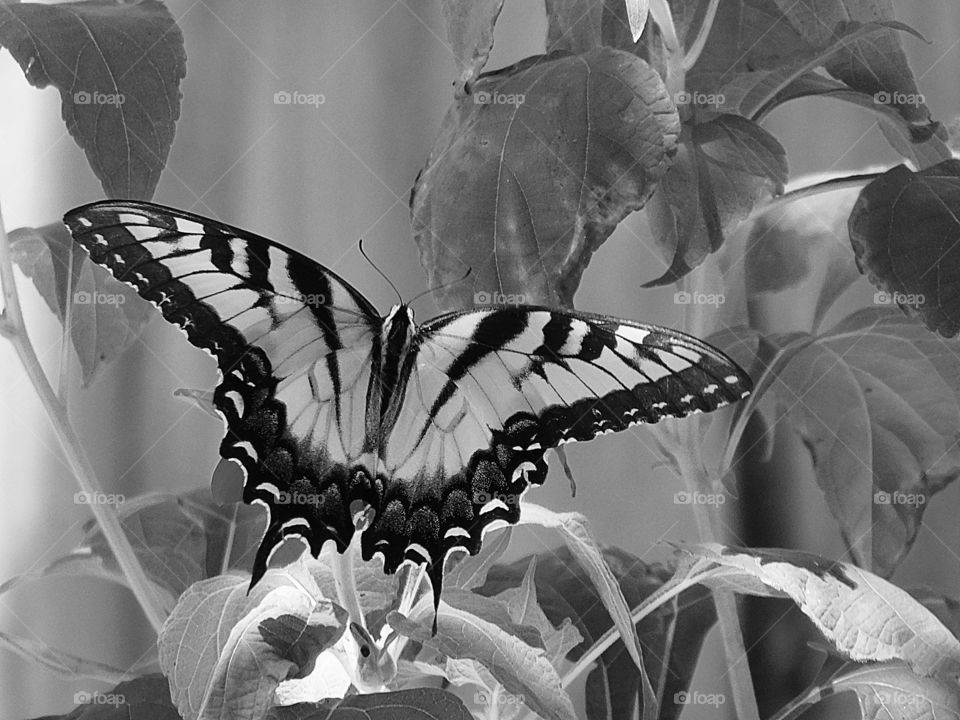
x,y
118,68
865,617
470,33
509,191
250,643
889,691
724,168
471,570
106,315
672,635
882,443
524,671
413,704
904,231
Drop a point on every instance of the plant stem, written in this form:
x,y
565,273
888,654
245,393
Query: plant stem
x,y
346,582
693,53
12,326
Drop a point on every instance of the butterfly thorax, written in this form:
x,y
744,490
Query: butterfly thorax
x,y
396,339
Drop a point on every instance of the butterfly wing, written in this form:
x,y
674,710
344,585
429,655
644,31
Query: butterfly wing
x,y
296,346
489,391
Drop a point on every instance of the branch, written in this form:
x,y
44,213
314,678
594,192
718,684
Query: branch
x,y
12,327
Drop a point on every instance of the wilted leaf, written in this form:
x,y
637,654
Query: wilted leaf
x,y
725,167
749,91
803,246
865,617
225,652
145,698
533,171
118,68
106,315
470,33
873,399
524,671
415,704
905,232
673,634
889,691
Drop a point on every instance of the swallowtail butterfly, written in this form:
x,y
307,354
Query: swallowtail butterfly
x,y
438,428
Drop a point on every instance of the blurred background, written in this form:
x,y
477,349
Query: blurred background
x,y
318,179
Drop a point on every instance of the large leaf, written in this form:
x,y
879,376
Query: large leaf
x,y
864,617
672,635
905,229
470,33
533,171
524,671
415,704
118,68
725,167
106,316
225,652
875,400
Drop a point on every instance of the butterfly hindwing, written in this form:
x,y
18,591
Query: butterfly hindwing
x,y
295,344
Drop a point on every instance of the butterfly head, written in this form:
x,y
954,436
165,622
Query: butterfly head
x,y
398,328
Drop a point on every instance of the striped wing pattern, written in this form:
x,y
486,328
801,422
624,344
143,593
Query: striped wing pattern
x,y
490,391
440,435
295,344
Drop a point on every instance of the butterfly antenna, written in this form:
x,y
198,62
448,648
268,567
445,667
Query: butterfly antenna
x,y
382,274
442,287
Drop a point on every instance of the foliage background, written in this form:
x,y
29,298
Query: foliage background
x,y
317,180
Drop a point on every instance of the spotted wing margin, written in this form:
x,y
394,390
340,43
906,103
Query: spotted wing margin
x,y
489,391
296,346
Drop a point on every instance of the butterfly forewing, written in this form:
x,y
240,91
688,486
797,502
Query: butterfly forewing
x,y
439,429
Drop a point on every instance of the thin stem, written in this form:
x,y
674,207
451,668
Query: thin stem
x,y
346,582
13,327
693,53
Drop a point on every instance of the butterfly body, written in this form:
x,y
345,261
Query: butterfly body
x,y
438,428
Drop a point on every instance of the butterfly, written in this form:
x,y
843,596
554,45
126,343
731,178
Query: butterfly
x,y
438,428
